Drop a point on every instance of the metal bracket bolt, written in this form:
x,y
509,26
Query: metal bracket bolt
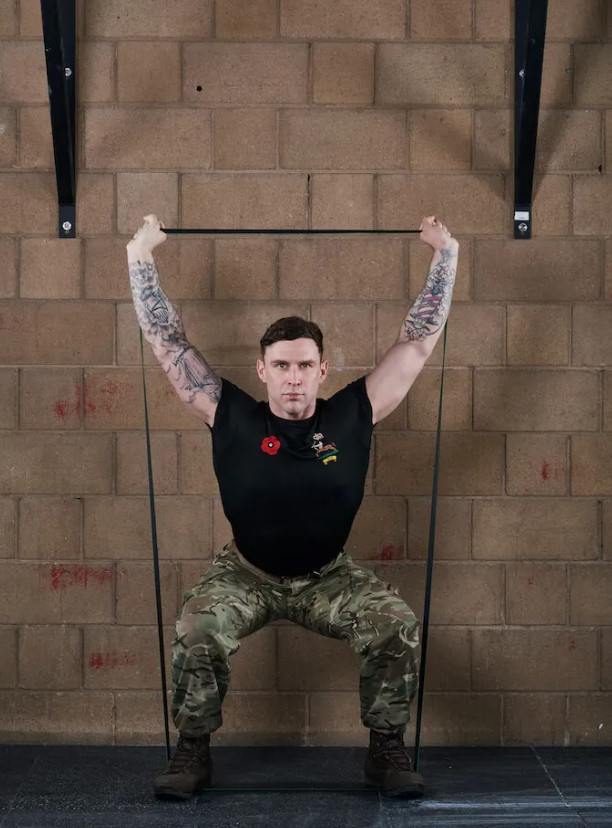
x,y
67,226
67,72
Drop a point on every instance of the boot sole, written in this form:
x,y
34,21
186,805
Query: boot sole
x,y
411,791
173,794
169,794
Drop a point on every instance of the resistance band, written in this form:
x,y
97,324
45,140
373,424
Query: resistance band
x,y
430,563
428,582
158,598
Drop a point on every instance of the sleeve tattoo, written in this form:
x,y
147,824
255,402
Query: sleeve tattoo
x,y
430,310
162,326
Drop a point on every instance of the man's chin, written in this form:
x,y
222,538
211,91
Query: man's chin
x,y
294,407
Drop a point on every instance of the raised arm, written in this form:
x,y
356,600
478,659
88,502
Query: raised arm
x,y
390,381
188,372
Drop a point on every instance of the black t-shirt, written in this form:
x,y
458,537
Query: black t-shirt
x,y
291,488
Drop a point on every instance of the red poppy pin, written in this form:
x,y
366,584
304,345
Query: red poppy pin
x,y
270,445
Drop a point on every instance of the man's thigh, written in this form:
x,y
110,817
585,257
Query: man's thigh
x,y
350,600
227,599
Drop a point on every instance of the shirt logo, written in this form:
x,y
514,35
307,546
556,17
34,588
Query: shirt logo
x,y
327,452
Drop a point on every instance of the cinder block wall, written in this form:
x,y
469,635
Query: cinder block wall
x,y
295,113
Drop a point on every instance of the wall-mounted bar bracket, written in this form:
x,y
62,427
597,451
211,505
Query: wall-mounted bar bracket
x,y
530,31
59,32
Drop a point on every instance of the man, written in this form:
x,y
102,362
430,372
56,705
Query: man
x,y
291,474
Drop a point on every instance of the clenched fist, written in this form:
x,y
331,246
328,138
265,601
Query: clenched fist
x,y
149,236
435,234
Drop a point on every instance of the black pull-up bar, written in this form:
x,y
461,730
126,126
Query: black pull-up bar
x,y
208,232
59,30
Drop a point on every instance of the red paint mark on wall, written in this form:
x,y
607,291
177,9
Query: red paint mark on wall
x,y
90,406
62,408
391,552
107,397
545,470
63,576
110,387
96,661
572,644
108,390
530,581
101,661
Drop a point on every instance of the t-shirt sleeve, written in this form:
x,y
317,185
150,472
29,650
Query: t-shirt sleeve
x,y
233,405
353,402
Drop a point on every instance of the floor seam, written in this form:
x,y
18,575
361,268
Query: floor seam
x,y
557,788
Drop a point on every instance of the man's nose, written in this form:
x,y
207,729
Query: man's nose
x,y
295,378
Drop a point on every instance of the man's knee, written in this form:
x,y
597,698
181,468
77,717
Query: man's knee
x,y
396,633
195,628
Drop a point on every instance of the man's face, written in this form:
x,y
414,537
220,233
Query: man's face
x,y
292,371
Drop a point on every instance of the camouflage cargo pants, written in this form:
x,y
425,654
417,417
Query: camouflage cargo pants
x,y
234,599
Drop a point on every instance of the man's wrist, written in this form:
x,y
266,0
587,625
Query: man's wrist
x,y
136,252
452,245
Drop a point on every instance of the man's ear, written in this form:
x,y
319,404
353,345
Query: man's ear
x,y
324,369
261,370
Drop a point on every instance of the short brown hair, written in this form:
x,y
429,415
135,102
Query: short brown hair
x,y
291,327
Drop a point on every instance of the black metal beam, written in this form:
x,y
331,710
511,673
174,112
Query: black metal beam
x,y
226,232
59,32
530,31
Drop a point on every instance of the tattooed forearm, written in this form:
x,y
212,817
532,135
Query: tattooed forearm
x,y
162,326
429,312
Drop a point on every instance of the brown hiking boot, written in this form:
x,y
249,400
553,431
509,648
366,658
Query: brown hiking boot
x,y
189,769
389,767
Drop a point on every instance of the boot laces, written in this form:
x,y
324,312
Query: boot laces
x,y
394,750
187,753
